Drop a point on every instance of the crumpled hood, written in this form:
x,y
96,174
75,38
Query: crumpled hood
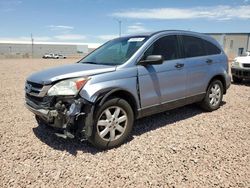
x,y
68,71
244,59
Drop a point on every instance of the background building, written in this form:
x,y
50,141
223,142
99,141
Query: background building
x,y
13,49
234,44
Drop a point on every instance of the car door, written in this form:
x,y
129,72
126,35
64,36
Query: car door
x,y
195,64
199,63
159,84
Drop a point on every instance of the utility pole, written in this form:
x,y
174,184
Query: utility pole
x,y
10,49
247,47
120,28
32,45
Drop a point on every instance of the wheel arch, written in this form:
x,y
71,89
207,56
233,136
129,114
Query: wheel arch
x,y
222,79
121,93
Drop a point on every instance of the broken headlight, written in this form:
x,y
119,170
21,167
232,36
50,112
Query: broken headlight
x,y
67,87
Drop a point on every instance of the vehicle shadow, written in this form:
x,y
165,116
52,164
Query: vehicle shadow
x,y
47,136
157,121
243,83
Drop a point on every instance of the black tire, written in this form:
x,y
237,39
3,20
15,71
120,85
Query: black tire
x,y
100,142
206,102
236,79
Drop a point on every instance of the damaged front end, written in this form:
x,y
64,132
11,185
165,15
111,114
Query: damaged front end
x,y
70,115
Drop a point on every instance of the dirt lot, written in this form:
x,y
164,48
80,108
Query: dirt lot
x,y
185,147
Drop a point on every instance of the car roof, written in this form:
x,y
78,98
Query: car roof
x,y
149,34
180,32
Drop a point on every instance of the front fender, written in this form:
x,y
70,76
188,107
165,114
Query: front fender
x,y
93,92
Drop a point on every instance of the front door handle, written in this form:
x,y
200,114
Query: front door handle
x,y
209,61
179,65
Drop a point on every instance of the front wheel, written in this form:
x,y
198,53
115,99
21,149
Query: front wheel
x,y
213,96
113,123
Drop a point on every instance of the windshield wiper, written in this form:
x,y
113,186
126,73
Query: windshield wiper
x,y
91,62
96,63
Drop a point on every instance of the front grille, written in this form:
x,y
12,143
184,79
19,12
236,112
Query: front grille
x,y
246,65
46,101
241,73
33,88
36,89
35,85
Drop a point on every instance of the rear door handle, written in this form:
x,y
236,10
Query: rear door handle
x,y
179,65
209,61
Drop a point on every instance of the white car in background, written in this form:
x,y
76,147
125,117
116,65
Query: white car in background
x,y
241,68
60,56
54,56
47,56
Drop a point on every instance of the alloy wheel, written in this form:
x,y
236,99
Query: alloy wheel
x,y
112,123
215,94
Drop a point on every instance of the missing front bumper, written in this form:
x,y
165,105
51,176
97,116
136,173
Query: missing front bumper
x,y
73,120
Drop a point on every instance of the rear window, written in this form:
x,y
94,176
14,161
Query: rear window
x,y
211,49
193,46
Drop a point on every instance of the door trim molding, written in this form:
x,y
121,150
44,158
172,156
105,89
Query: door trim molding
x,y
169,105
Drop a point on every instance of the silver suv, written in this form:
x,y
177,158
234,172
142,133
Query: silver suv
x,y
99,97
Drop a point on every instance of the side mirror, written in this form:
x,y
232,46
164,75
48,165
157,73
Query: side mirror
x,y
152,60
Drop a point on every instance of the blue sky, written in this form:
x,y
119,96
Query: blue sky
x,y
95,21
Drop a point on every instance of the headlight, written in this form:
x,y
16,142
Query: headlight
x,y
67,87
235,63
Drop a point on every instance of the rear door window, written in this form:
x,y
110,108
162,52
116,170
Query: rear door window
x,y
193,46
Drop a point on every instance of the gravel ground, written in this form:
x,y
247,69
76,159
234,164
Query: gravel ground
x,y
185,147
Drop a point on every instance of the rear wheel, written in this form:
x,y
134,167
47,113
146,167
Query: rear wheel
x,y
213,96
113,123
237,80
